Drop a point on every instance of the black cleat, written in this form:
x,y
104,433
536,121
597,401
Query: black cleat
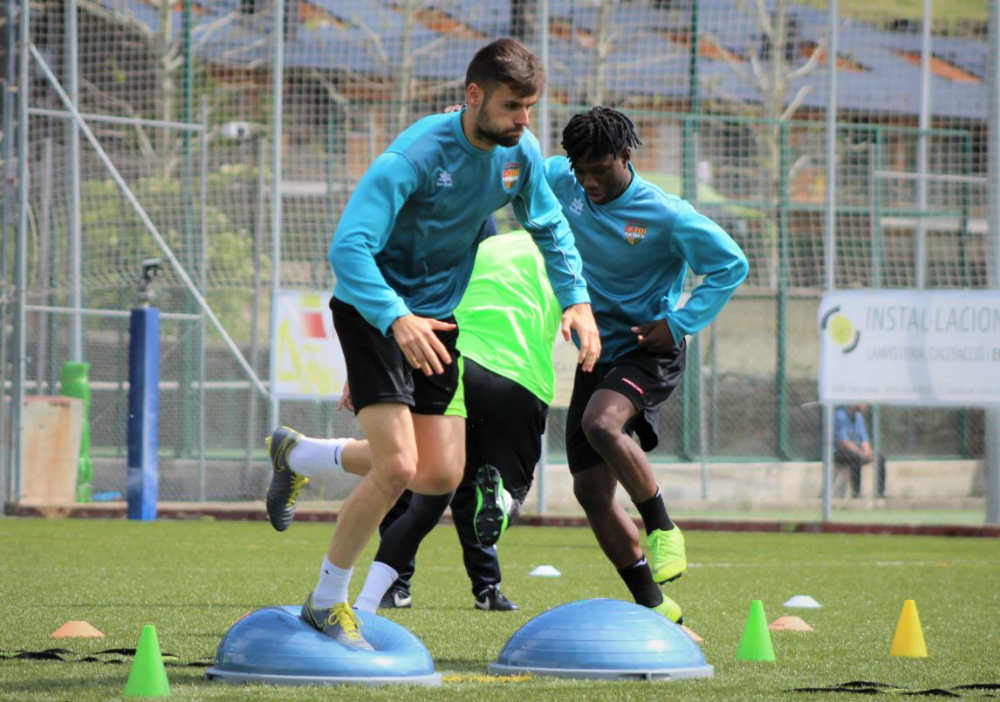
x,y
492,600
396,598
285,482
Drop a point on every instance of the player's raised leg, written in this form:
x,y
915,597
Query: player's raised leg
x,y
296,457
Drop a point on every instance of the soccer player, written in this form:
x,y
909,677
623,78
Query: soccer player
x,y
508,319
636,243
402,254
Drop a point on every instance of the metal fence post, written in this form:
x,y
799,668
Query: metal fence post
x,y
781,376
76,346
6,204
277,106
830,239
21,256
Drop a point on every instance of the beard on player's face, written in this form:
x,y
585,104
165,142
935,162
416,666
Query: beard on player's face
x,y
488,131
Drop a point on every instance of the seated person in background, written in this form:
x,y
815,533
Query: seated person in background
x,y
852,448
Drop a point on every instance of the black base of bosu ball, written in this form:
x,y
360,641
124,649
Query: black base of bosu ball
x,y
275,645
602,639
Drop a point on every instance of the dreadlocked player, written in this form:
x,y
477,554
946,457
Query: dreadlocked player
x,y
636,243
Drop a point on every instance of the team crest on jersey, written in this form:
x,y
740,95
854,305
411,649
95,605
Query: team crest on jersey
x,y
634,233
511,172
576,207
444,179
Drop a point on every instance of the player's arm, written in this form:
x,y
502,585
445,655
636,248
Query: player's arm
x,y
711,253
655,337
540,213
361,233
416,337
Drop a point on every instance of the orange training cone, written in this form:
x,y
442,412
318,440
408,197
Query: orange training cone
x,y
693,635
148,677
77,630
755,644
909,639
788,623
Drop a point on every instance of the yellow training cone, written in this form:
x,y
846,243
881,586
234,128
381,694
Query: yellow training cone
x,y
909,639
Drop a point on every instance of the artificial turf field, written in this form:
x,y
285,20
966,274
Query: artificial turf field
x,y
192,579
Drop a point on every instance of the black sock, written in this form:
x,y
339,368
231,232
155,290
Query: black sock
x,y
639,581
654,513
401,539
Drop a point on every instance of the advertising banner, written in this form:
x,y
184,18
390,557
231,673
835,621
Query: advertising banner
x,y
308,361
934,348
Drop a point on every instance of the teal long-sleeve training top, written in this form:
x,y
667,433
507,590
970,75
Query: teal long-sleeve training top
x,y
636,250
407,239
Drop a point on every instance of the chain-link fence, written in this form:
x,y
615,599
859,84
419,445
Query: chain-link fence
x,y
730,98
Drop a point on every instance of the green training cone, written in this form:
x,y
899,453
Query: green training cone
x,y
755,645
148,677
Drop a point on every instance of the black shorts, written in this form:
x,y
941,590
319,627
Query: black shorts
x,y
378,373
645,379
504,428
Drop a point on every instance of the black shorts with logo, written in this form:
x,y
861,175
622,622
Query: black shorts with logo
x,y
378,373
644,378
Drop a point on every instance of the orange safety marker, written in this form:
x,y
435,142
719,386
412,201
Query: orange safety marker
x,y
789,623
77,630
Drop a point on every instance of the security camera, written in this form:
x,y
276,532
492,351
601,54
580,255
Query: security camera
x,y
237,131
150,269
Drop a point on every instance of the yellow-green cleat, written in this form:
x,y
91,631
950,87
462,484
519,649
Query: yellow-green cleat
x,y
667,556
338,622
671,610
285,482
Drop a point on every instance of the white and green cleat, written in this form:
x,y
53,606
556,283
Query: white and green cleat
x,y
492,505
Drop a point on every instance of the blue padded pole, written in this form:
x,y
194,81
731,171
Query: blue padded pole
x,y
143,412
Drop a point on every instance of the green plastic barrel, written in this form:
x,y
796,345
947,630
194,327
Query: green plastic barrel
x,y
75,383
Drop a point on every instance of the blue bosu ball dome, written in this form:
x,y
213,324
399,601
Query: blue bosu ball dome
x,y
275,645
602,638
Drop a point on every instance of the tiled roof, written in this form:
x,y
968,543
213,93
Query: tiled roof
x,y
649,53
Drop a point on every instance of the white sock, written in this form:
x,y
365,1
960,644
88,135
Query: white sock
x,y
332,585
311,456
380,578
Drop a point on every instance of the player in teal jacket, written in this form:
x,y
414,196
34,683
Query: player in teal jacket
x,y
402,254
637,243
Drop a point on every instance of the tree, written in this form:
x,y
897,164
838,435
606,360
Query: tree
x,y
773,70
